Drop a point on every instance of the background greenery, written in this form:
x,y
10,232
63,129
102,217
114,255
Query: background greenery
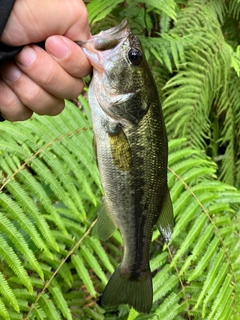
x,y
53,266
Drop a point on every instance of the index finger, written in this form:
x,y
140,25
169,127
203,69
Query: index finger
x,y
69,56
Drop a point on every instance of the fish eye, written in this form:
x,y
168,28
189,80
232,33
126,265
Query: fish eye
x,y
135,56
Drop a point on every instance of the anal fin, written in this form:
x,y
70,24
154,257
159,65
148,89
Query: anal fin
x,y
165,221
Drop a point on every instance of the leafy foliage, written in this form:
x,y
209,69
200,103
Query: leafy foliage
x,y
53,266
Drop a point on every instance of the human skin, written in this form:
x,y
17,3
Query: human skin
x,y
39,80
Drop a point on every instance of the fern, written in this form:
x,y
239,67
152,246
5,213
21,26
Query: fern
x,y
166,6
53,266
230,107
98,10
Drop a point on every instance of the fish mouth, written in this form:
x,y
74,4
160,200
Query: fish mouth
x,y
108,39
103,41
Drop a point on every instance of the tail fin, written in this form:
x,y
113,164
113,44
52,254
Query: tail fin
x,y
136,293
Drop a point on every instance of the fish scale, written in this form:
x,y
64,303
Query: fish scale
x,y
131,149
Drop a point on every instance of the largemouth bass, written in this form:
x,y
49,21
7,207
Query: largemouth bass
x,y
132,151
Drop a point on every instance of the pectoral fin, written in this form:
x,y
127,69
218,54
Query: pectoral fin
x,y
165,221
105,225
120,150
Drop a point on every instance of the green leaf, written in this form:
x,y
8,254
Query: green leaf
x,y
83,273
61,302
8,294
97,10
49,308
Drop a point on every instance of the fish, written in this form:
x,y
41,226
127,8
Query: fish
x,y
132,154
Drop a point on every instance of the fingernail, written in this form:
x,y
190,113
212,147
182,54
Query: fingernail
x,y
27,56
57,47
11,73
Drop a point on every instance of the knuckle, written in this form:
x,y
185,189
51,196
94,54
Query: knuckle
x,y
32,95
50,107
80,8
16,111
51,78
23,116
75,90
84,14
57,108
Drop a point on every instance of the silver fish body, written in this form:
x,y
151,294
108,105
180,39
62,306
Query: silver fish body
x,y
131,149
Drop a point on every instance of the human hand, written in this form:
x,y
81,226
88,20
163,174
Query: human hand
x,y
38,80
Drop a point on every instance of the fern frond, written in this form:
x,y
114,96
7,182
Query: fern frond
x,y
170,308
39,313
46,304
97,10
207,242
168,49
99,251
164,282
4,312
200,13
17,214
83,273
8,294
28,205
17,240
236,60
93,263
34,187
39,192
14,263
61,302
167,6
229,108
189,90
222,300
234,8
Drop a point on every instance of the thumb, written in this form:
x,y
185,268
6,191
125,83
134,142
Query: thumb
x,y
35,20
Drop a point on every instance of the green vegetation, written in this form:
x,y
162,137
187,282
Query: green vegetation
x,y
53,266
